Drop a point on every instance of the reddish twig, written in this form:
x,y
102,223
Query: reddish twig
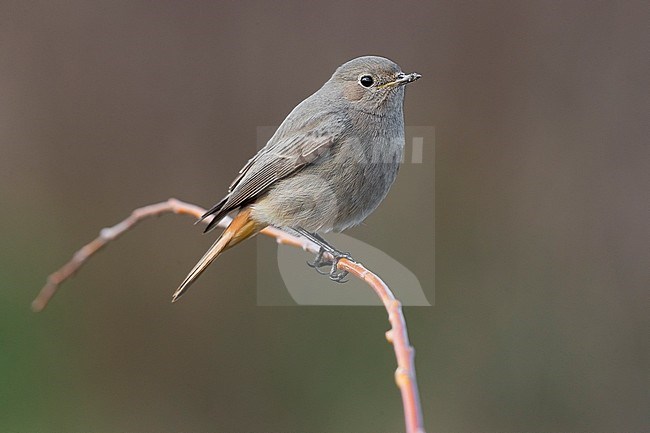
x,y
397,335
105,236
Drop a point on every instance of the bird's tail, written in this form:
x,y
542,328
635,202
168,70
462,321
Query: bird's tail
x,y
242,227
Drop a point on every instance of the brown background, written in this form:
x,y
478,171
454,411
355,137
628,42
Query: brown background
x,y
540,322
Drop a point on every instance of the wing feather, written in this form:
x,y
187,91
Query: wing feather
x,y
308,133
271,164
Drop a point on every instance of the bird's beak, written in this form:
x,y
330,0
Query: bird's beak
x,y
401,79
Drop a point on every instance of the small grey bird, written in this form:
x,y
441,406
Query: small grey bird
x,y
327,167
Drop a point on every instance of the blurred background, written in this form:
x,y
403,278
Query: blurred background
x,y
540,320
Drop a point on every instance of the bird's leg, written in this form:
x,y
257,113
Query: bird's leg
x,y
321,260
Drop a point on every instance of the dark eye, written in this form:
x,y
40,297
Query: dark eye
x,y
366,81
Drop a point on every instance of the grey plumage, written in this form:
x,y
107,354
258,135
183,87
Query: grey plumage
x,y
331,161
345,141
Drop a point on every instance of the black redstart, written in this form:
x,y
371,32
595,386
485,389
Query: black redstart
x,y
326,168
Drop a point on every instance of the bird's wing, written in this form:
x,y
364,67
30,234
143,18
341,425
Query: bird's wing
x,y
279,159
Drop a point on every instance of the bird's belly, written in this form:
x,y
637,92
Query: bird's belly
x,y
333,195
323,202
363,192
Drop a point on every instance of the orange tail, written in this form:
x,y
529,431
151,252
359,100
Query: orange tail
x,y
242,227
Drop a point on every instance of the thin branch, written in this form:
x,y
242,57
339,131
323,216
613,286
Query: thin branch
x,y
397,335
105,236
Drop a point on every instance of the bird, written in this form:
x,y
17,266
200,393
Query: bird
x,y
329,164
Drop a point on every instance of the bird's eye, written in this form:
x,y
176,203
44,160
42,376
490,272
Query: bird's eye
x,y
366,81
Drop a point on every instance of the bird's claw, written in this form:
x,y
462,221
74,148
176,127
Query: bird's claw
x,y
317,268
319,261
334,273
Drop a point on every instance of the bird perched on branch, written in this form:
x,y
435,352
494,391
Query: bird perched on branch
x,y
326,168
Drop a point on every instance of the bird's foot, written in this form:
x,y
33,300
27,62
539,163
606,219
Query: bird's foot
x,y
327,257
